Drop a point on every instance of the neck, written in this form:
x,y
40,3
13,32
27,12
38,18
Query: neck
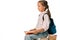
x,y
44,11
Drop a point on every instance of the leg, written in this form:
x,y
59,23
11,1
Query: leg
x,y
35,36
27,37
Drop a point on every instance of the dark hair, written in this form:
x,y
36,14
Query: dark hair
x,y
45,3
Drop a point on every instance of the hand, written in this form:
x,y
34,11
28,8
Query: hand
x,y
28,32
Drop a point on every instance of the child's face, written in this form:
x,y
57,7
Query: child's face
x,y
41,8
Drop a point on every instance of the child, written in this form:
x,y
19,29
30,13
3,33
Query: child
x,y
42,25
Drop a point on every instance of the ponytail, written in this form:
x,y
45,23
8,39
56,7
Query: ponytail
x,y
49,14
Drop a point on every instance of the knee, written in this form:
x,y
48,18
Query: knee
x,y
27,36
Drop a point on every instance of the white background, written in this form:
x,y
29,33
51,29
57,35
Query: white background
x,y
17,16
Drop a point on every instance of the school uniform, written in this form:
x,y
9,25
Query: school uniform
x,y
40,24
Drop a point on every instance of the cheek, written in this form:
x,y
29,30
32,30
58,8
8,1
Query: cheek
x,y
40,8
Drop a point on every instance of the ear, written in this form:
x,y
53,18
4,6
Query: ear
x,y
44,7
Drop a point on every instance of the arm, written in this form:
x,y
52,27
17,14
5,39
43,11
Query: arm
x,y
45,25
46,22
32,29
37,30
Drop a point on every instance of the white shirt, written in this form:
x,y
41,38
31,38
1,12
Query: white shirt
x,y
43,23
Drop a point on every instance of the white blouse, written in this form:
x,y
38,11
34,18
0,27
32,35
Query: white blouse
x,y
43,23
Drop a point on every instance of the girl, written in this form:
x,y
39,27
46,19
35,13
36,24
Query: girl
x,y
42,25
